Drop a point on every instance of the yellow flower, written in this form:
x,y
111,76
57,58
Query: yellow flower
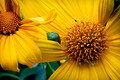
x,y
92,49
16,44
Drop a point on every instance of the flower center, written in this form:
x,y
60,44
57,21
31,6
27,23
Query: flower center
x,y
9,23
85,41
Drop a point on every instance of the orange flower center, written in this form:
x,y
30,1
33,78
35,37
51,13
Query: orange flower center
x,y
9,23
85,41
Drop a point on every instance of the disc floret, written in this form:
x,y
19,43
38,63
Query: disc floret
x,y
85,41
9,22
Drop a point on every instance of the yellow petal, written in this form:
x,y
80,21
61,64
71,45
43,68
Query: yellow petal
x,y
111,63
102,10
72,70
41,7
27,51
15,7
68,10
0,49
34,31
101,71
40,20
113,24
51,51
92,71
114,43
61,71
2,6
8,54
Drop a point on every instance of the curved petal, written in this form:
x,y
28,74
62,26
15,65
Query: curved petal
x,y
104,10
41,7
0,49
98,10
72,70
27,51
68,10
33,31
8,54
2,6
15,7
113,24
111,61
40,20
111,57
51,51
10,5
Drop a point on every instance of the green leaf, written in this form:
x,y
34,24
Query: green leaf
x,y
117,0
37,73
54,66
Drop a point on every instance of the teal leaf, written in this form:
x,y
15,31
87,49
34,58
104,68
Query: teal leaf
x,y
37,73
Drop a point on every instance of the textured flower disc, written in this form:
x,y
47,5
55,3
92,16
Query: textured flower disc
x,y
9,22
85,41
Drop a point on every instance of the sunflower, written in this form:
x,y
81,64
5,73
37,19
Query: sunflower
x,y
16,44
90,38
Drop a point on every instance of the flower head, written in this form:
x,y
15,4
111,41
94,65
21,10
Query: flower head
x,y
92,49
16,44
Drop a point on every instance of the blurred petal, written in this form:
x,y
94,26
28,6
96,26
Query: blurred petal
x,y
113,24
62,70
8,54
27,51
33,31
15,7
104,10
51,51
0,49
41,20
68,11
2,6
111,63
9,5
96,10
72,70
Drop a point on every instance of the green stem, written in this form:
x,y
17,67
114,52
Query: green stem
x,y
50,67
7,74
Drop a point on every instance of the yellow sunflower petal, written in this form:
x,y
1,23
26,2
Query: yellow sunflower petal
x,y
102,10
2,6
114,42
72,70
41,7
51,51
40,20
68,10
111,63
9,5
34,31
27,51
113,24
15,7
61,71
101,72
92,71
0,49
8,57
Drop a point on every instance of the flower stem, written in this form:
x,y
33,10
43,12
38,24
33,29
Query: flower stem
x,y
50,67
7,74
